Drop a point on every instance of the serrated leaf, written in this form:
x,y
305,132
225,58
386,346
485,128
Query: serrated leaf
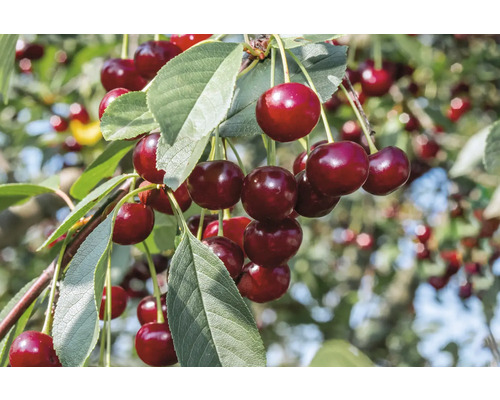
x,y
302,40
325,63
492,150
210,323
17,193
102,167
127,117
339,353
76,318
471,154
162,237
85,206
7,55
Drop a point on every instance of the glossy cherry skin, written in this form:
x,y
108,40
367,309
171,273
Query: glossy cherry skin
x,y
121,73
78,112
425,147
31,51
272,244
154,345
58,124
109,98
134,222
147,311
300,162
119,299
33,349
158,199
193,222
389,170
229,252
269,193
337,169
288,111
144,159
234,229
151,56
184,42
261,284
310,202
458,107
422,251
375,82
215,185
423,233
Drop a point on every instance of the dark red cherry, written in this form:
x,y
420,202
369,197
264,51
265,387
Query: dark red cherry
x,y
423,233
269,193
452,257
288,111
151,56
389,170
229,252
458,107
451,269
353,75
365,241
438,282
422,251
58,124
119,300
70,144
465,290
193,222
134,222
144,158
158,199
147,311
261,284
121,73
78,112
215,185
472,268
184,42
333,103
337,169
31,51
425,147
154,345
109,98
348,236
300,162
412,124
271,244
233,228
310,202
33,349
351,131
375,82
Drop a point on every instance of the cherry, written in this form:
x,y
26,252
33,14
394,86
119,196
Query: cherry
x,y
438,282
451,269
452,257
121,73
109,98
134,287
300,162
25,66
458,107
119,300
33,349
144,158
31,51
375,82
351,131
412,124
423,233
422,251
472,268
337,169
193,222
233,228
184,42
147,311
353,75
389,170
229,252
58,124
79,113
272,244
70,144
158,199
261,284
469,241
311,203
151,56
288,111
333,103
365,241
154,345
425,147
465,290
134,222
348,236
215,185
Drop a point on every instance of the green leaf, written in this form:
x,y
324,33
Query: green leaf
x,y
339,353
16,193
102,167
492,150
471,154
325,63
85,206
76,318
210,323
162,237
292,42
7,55
127,117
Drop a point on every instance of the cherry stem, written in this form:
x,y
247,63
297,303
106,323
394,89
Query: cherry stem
x,y
156,287
247,39
286,72
354,97
177,209
219,36
108,310
311,84
373,149
227,213
240,162
218,154
248,69
156,37
377,51
271,145
221,223
125,46
199,233
66,198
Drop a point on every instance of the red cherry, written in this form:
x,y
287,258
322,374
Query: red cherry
x,y
33,349
271,244
375,82
423,252
261,284
348,236
158,199
300,162
353,75
465,290
458,107
78,112
472,268
412,124
233,228
147,311
351,131
58,124
109,98
311,203
121,73
425,147
154,345
30,51
438,282
451,269
337,169
452,257
70,144
151,56
365,241
144,158
184,42
119,300
229,252
193,222
134,222
423,233
333,103
25,66
288,111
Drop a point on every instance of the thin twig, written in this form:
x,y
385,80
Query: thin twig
x,y
354,95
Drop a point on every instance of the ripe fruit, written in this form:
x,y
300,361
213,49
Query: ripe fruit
x,y
300,162
261,284
70,144
144,158
215,185
438,282
158,199
184,42
337,169
423,233
271,244
146,309
233,228
109,98
229,252
389,170
154,345
119,300
351,131
288,111
58,124
33,349
79,113
472,268
458,107
121,73
193,222
333,103
375,82
425,147
31,51
422,251
311,203
134,222
365,241
151,56
465,290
